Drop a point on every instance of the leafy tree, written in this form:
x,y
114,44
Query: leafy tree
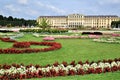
x,y
9,25
44,24
5,21
115,24
1,17
10,18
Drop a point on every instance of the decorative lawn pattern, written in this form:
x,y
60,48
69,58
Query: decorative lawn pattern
x,y
26,45
72,49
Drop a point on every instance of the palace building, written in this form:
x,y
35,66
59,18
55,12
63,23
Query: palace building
x,y
77,20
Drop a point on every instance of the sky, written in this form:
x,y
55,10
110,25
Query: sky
x,y
32,9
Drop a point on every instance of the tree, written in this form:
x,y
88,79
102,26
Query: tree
x,y
9,25
10,21
10,18
115,24
1,17
43,24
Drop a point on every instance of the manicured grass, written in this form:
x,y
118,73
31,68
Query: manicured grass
x,y
72,49
103,76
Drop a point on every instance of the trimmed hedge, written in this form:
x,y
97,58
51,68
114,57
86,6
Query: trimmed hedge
x,y
92,33
43,31
5,31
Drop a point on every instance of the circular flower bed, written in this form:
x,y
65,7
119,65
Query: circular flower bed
x,y
16,71
21,45
26,45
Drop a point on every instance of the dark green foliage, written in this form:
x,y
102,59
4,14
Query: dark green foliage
x,y
4,21
43,31
115,24
44,24
92,33
5,31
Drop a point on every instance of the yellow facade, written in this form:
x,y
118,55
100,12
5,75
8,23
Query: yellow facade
x,y
54,21
76,20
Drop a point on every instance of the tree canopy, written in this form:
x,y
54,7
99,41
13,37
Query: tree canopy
x,y
115,24
44,24
4,21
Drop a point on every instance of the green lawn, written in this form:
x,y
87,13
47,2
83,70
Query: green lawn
x,y
104,76
72,49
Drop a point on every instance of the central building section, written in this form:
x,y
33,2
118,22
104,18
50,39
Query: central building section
x,y
75,20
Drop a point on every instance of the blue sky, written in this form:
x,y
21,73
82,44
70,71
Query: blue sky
x,y
31,9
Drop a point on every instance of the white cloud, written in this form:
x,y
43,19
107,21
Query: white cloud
x,y
1,12
32,12
23,1
12,8
109,2
51,7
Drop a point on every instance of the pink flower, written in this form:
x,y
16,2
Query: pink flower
x,y
116,35
48,39
93,36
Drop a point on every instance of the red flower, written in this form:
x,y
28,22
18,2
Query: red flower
x,y
90,70
80,72
106,69
71,72
21,45
98,70
64,63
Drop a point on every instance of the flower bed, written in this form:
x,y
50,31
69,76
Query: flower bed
x,y
7,40
48,39
78,37
116,35
53,46
108,40
16,71
12,36
21,45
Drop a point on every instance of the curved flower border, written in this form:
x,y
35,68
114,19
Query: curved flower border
x,y
53,46
16,71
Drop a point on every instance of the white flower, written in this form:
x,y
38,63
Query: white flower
x,y
94,65
107,65
73,68
69,66
85,66
78,66
56,69
2,71
101,65
21,70
43,69
113,64
118,62
32,69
